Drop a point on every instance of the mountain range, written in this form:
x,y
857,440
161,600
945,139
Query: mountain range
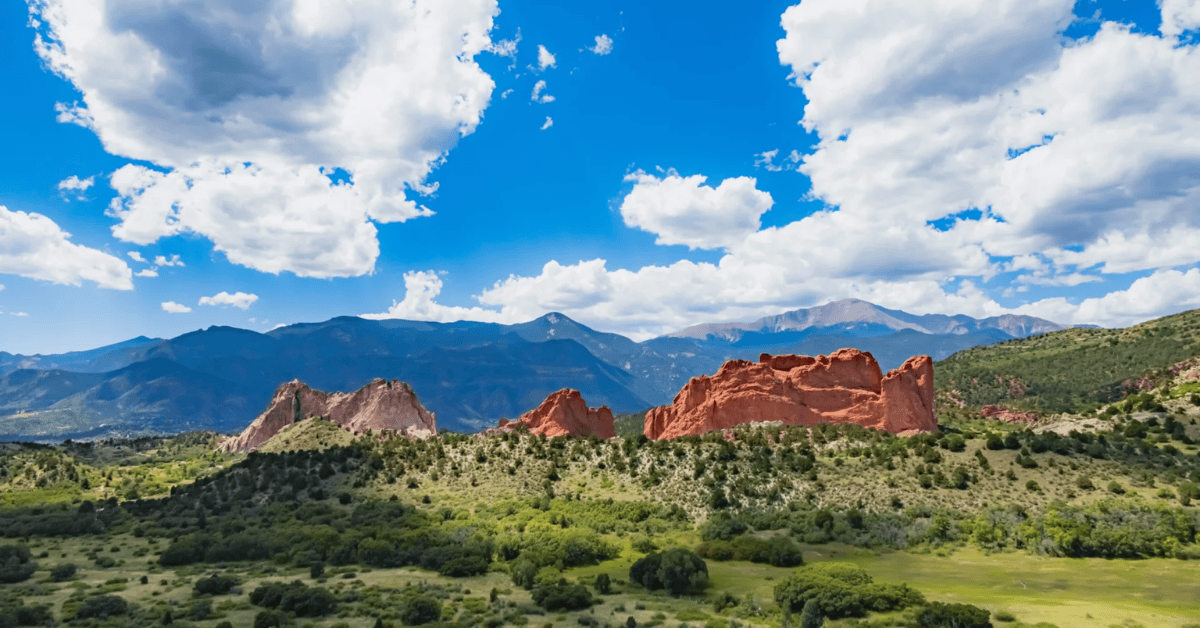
x,y
470,374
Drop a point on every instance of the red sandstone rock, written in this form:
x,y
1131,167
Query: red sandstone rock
x,y
1000,413
380,405
844,387
564,413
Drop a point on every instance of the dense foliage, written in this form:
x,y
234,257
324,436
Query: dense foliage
x,y
677,570
1068,370
842,590
941,615
15,563
296,598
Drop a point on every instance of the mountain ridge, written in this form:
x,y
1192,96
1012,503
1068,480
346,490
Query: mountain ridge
x,y
848,314
470,373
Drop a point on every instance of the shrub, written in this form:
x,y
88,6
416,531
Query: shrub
x,y
271,619
561,596
421,609
103,607
723,528
676,570
810,616
1004,616
842,590
780,551
64,572
295,598
15,565
642,543
214,585
939,615
464,566
1085,483
201,610
1115,487
603,584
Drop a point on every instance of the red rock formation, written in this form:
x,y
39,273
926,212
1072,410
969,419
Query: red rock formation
x,y
380,405
843,387
1000,413
564,413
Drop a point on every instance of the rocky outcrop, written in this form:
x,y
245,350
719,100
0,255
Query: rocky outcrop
x,y
845,386
1000,413
378,406
564,413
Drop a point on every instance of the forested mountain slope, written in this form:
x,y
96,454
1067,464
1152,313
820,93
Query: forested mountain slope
x,y
1071,370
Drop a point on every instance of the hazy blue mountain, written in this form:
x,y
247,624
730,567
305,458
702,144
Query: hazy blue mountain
x,y
470,374
97,360
860,319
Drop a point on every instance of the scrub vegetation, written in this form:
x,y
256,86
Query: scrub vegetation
x,y
1084,518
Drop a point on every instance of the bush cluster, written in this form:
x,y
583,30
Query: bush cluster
x,y
842,590
295,598
677,570
779,551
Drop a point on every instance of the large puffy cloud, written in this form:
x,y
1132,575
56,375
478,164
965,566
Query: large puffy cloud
x,y
245,108
421,287
1159,294
957,140
1179,16
34,246
682,210
926,110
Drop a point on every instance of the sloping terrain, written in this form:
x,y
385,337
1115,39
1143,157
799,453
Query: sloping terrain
x,y
1070,370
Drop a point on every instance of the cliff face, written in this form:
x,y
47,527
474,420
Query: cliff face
x,y
564,413
844,387
380,405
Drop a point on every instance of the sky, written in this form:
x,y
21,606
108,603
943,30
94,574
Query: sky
x,y
640,167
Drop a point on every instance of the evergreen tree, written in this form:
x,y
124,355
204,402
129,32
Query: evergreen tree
x,y
811,616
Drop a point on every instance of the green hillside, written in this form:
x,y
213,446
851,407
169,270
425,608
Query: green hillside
x,y
1074,370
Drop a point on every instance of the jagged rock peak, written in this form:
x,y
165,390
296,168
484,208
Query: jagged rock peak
x,y
564,413
845,386
378,406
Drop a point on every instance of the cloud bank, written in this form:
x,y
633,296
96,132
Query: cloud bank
x,y
250,112
943,162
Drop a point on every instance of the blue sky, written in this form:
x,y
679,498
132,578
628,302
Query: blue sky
x,y
264,163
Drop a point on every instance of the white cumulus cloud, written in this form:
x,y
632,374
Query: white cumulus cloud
x,y
547,124
240,300
1065,147
682,210
420,290
603,46
957,141
34,246
545,59
1159,294
538,96
175,308
160,260
74,188
147,272
1179,16
244,110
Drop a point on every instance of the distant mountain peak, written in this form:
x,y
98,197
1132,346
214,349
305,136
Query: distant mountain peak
x,y
849,315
